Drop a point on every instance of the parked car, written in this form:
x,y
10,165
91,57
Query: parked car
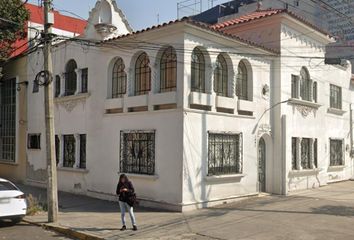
x,y
13,205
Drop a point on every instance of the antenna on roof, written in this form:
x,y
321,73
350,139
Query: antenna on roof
x,y
259,5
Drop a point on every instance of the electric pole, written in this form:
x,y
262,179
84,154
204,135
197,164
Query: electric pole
x,y
52,188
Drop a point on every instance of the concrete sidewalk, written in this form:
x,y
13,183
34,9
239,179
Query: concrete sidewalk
x,y
324,213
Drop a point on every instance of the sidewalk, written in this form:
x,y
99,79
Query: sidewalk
x,y
324,213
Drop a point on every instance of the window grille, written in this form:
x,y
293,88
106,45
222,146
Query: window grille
x,y
225,154
119,79
8,120
142,75
305,153
221,77
294,150
336,152
57,86
168,70
335,97
305,85
82,151
34,141
198,71
69,151
57,149
137,153
315,152
84,80
70,78
242,82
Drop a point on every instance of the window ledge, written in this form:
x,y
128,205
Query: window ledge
x,y
141,176
296,101
8,163
336,111
76,170
336,168
304,172
78,96
224,177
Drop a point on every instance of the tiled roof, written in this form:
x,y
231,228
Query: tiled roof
x,y
259,14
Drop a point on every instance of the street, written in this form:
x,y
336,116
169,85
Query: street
x,y
26,231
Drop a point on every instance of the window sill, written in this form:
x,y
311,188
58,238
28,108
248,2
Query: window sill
x,y
8,163
304,172
336,168
78,96
336,111
141,176
296,101
76,170
224,178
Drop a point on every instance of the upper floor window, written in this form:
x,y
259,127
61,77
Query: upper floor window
x,y
305,85
34,141
198,71
221,76
84,80
142,75
302,87
70,78
242,82
57,86
119,79
335,97
168,70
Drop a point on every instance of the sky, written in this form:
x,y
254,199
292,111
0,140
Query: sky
x,y
140,13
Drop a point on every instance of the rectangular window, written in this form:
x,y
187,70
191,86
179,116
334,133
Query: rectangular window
x,y
34,141
294,86
8,120
305,153
335,97
57,149
35,86
336,152
224,154
57,86
294,151
315,152
137,152
69,151
314,92
83,151
84,80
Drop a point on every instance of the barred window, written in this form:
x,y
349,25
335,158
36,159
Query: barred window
x,y
302,87
142,75
305,85
34,141
225,154
70,78
294,86
221,76
69,151
336,152
242,82
8,120
137,152
82,151
84,80
198,71
57,86
294,150
168,70
335,97
57,149
305,153
119,79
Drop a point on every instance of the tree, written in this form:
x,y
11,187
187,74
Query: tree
x,y
13,18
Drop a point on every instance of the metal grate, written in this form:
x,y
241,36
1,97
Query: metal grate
x,y
305,153
294,153
168,70
198,71
336,152
69,151
137,153
119,79
142,75
57,149
242,82
8,120
221,77
83,151
84,80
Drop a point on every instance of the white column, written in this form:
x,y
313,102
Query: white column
x,y
77,151
61,151
62,85
78,80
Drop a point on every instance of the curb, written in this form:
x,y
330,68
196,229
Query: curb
x,y
65,231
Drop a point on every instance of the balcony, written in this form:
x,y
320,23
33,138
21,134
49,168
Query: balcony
x,y
201,99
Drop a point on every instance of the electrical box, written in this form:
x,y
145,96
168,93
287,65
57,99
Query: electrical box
x,y
51,18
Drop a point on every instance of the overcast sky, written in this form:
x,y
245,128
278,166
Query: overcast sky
x,y
140,13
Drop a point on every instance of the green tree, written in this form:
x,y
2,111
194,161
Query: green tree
x,y
13,19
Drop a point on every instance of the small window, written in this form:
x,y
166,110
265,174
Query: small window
x,y
69,151
224,154
168,70
198,71
294,150
70,78
84,80
336,152
82,151
34,141
35,86
305,153
242,81
119,79
221,76
305,85
57,149
57,86
294,86
335,97
142,75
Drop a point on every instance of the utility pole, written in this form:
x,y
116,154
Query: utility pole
x,y
52,188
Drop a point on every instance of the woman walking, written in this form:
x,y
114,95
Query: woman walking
x,y
126,193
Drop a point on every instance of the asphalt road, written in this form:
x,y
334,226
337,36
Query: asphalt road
x,y
24,231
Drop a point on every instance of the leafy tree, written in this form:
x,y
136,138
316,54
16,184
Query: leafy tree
x,y
13,18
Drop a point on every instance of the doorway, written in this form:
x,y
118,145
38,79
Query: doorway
x,y
262,165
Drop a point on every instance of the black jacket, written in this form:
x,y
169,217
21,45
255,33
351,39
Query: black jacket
x,y
124,196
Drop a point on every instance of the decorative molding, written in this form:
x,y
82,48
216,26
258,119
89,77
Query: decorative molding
x,y
304,107
70,102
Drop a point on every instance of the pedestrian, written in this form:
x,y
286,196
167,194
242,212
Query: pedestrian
x,y
127,198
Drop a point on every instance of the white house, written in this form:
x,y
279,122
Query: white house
x,y
195,114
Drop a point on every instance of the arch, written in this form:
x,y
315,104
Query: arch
x,y
198,71
70,78
305,84
168,70
105,14
269,169
142,75
118,78
221,76
244,81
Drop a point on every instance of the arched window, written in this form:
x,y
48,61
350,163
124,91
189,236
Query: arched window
x,y
198,71
242,81
221,77
70,78
168,70
305,85
142,75
119,79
